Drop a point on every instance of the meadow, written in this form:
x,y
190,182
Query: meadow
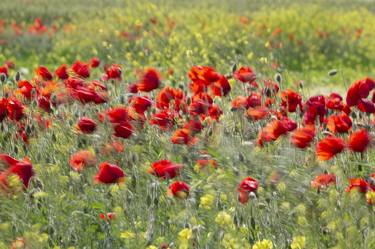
x,y
187,124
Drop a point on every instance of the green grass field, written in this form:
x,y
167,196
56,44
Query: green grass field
x,y
223,90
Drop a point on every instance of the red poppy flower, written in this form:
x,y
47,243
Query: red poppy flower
x,y
257,113
163,119
109,173
94,62
113,72
107,216
329,147
183,136
358,90
303,137
62,72
254,100
123,130
15,109
165,169
82,159
81,69
358,183
270,88
291,100
194,126
272,131
220,87
334,102
204,74
22,169
339,123
44,103
247,186
203,163
240,102
215,112
86,125
25,88
179,190
4,70
366,105
133,88
150,80
245,74
87,95
315,107
359,141
44,73
140,103
118,115
323,180
3,108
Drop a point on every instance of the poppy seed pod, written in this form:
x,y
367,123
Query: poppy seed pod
x,y
3,77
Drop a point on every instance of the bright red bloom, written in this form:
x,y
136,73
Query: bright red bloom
x,y
245,74
44,73
366,105
4,70
82,159
220,87
272,131
358,183
289,124
109,173
168,95
44,103
86,125
15,109
140,103
81,69
150,80
334,102
240,102
207,162
359,141
94,62
358,90
303,137
107,216
179,189
247,186
315,107
3,108
118,115
339,123
203,74
329,147
215,112
23,169
164,119
183,136
291,100
88,95
194,126
123,130
25,88
113,72
323,180
165,169
62,72
257,113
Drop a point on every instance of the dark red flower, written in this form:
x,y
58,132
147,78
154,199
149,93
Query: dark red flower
x,y
113,72
163,119
358,183
86,125
3,108
123,130
25,88
339,123
245,74
62,72
94,62
140,103
179,190
247,186
329,147
303,137
220,87
44,73
165,169
15,109
323,180
150,80
81,69
109,173
358,90
291,100
366,105
118,115
334,102
23,169
4,70
359,141
315,107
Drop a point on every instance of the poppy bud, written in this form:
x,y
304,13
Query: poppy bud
x,y
17,77
278,78
234,67
333,72
3,77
